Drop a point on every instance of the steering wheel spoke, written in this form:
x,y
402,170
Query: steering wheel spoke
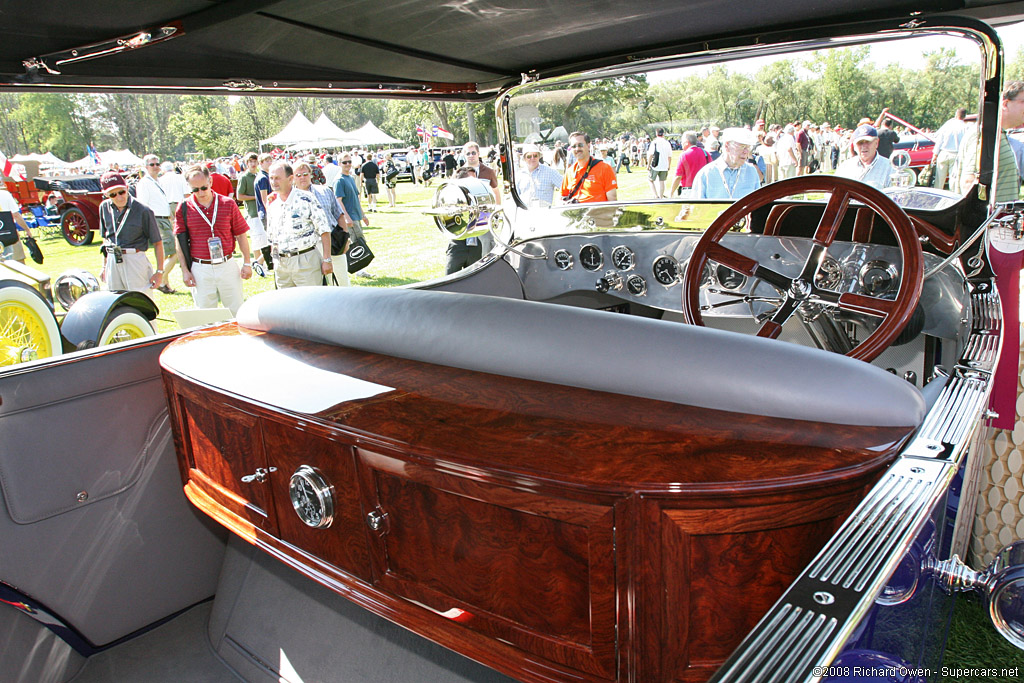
x,y
802,291
832,218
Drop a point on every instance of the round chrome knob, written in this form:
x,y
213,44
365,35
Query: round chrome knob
x,y
376,520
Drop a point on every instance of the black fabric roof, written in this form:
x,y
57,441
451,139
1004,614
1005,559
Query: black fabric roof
x,y
452,49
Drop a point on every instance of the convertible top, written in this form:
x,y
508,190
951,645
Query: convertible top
x,y
454,49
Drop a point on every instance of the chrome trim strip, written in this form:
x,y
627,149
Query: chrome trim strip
x,y
809,625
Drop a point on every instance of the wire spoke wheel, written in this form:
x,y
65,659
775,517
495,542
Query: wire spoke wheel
x,y
28,330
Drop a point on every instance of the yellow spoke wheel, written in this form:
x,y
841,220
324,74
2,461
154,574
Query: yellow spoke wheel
x,y
28,329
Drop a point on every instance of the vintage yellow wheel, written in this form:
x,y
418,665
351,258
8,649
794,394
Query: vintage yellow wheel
x,y
28,329
125,325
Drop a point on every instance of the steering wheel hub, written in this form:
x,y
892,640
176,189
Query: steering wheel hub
x,y
800,289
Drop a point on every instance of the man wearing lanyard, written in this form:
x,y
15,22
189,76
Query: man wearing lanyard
x,y
537,184
729,176
211,223
867,165
295,222
150,192
128,227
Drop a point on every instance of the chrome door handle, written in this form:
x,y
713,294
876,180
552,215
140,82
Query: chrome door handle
x,y
259,475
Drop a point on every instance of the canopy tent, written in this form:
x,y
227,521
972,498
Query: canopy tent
x,y
45,160
369,134
121,157
299,129
329,135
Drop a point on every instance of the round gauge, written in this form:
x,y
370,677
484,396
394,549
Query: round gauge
x,y
312,497
636,285
729,278
666,270
563,259
830,274
878,278
623,258
591,257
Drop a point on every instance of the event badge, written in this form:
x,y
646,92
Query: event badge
x,y
216,249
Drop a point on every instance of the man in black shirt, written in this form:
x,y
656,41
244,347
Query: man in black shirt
x,y
887,137
128,227
370,171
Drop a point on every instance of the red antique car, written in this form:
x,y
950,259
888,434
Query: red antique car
x,y
80,198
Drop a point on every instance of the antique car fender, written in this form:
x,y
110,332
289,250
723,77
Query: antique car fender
x,y
90,316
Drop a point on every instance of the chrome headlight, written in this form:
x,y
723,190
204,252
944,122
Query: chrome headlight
x,y
72,285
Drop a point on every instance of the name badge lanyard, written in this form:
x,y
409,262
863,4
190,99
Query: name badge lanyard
x,y
214,244
124,217
735,182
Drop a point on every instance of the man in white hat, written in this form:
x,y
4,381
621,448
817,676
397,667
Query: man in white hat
x,y
867,165
729,176
536,183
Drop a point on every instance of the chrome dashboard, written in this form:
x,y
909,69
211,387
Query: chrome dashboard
x,y
647,268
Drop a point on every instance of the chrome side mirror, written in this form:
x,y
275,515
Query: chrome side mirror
x,y
1001,584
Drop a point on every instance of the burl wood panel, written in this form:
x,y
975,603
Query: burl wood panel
x,y
226,444
527,569
344,544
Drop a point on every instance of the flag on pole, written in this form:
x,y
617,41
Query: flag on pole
x,y
442,133
93,154
9,169
421,132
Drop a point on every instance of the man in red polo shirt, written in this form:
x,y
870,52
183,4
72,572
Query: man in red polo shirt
x,y
220,183
589,179
213,224
691,160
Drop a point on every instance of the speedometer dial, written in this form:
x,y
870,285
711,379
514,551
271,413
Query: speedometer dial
x,y
666,270
623,257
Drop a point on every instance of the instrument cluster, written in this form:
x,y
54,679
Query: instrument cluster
x,y
648,268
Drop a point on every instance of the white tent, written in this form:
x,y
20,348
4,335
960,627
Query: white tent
x,y
298,130
329,135
45,160
121,157
369,134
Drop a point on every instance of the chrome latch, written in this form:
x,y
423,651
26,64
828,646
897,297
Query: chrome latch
x,y
377,520
259,475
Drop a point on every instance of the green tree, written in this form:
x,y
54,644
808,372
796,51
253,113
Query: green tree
x,y
202,121
55,123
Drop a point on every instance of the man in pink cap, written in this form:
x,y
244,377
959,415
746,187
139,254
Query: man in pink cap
x,y
128,227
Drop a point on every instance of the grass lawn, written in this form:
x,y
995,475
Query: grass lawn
x,y
406,244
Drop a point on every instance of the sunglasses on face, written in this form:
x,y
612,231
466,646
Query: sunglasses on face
x,y
204,188
472,154
152,164
301,175
346,163
532,156
117,194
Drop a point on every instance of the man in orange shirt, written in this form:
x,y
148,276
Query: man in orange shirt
x,y
589,179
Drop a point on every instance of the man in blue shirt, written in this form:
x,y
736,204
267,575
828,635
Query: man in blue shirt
x,y
947,142
535,182
729,176
347,192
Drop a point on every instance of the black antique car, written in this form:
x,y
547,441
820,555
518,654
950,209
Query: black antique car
x,y
739,438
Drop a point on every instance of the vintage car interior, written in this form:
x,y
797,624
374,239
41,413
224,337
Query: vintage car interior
x,y
641,440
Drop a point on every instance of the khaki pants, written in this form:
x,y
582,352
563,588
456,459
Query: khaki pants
x,y
302,270
221,282
132,274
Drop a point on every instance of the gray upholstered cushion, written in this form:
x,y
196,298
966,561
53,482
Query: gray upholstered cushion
x,y
597,350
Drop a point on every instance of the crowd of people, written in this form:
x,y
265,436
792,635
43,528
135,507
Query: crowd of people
x,y
730,163
280,213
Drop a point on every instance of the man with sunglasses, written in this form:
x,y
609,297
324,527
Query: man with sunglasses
x,y
150,192
588,179
536,184
128,227
346,190
212,223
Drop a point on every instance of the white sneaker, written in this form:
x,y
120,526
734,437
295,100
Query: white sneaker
x,y
259,269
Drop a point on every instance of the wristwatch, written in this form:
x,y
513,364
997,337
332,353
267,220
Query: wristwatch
x,y
328,260
160,272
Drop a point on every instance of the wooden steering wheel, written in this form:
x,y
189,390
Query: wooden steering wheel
x,y
803,290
